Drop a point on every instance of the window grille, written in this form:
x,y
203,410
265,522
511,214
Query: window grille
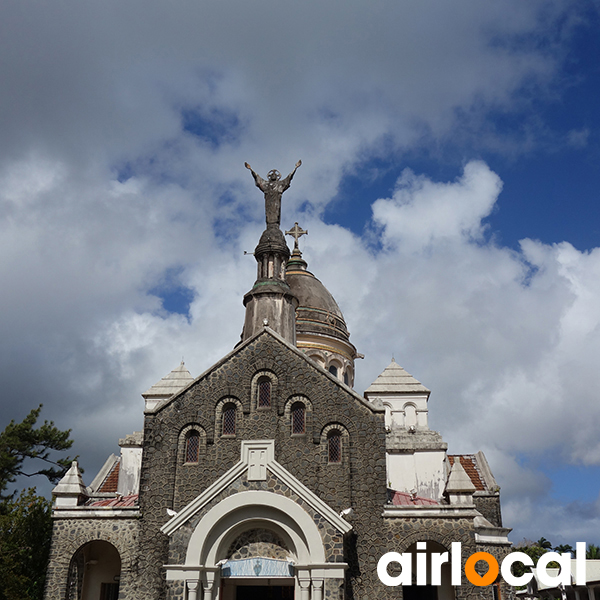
x,y
192,447
264,392
334,447
229,419
298,418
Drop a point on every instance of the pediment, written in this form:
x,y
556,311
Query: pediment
x,y
256,461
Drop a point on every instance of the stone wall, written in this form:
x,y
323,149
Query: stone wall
x,y
69,535
358,481
488,504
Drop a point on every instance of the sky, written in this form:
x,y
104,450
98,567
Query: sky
x,y
450,182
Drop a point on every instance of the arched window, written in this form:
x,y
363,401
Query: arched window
x,y
229,419
192,447
264,392
298,418
333,370
346,378
334,446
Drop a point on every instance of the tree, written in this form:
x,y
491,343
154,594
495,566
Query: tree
x,y
25,532
544,543
25,521
593,552
21,441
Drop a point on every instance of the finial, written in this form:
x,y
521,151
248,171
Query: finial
x,y
296,232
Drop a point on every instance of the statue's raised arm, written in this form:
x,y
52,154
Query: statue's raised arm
x,y
286,182
260,182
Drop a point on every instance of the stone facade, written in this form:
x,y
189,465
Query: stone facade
x,y
271,463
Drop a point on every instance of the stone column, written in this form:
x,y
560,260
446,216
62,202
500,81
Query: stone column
x,y
304,581
207,584
317,589
192,587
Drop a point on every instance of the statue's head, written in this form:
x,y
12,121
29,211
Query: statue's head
x,y
274,175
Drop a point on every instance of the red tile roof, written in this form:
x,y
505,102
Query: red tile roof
x,y
112,479
404,499
118,502
470,466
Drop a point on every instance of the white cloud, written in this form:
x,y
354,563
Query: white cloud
x,y
91,91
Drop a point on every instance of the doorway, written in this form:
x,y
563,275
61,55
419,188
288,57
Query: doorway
x,y
264,592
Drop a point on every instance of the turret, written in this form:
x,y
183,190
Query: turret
x,y
271,301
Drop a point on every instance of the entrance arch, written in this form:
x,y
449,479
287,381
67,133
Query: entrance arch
x,y
94,572
210,544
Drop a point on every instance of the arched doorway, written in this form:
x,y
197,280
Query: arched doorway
x,y
259,564
94,572
258,544
444,591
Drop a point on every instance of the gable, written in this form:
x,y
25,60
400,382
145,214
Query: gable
x,y
268,350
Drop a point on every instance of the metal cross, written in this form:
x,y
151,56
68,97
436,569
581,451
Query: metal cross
x,y
296,232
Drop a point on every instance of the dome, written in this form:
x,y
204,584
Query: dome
x,y
321,331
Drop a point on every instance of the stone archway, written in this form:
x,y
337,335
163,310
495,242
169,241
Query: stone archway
x,y
298,539
94,572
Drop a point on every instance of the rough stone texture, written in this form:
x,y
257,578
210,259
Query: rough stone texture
x,y
489,506
69,535
258,542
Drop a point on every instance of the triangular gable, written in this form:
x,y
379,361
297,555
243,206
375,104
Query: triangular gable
x,y
257,456
268,331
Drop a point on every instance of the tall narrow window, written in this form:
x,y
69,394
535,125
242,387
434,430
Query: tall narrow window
x,y
334,447
298,418
333,370
229,419
264,392
192,447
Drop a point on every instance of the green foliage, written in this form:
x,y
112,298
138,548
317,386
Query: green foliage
x,y
544,543
593,552
21,441
25,531
25,520
533,550
565,548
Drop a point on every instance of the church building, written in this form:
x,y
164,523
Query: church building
x,y
269,477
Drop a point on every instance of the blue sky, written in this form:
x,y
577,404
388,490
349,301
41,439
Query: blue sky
x,y
450,178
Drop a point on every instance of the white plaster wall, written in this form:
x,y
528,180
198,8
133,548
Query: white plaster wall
x,y
129,471
422,471
397,410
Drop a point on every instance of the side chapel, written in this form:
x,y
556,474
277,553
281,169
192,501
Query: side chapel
x,y
268,476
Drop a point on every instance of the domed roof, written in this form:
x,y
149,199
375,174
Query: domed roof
x,y
317,310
